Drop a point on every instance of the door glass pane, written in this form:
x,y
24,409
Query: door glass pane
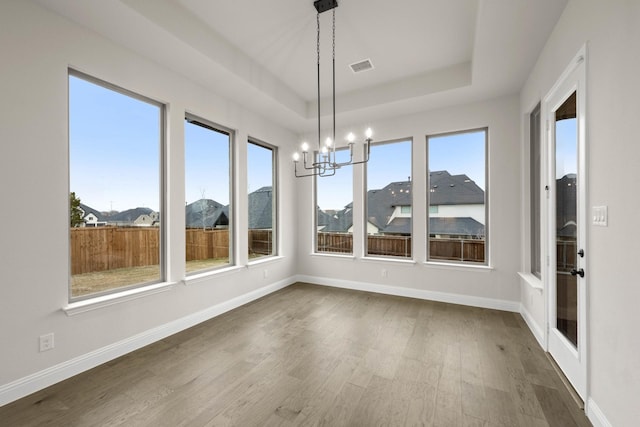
x,y
566,132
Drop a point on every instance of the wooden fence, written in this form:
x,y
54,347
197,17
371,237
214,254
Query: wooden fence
x,y
400,246
108,248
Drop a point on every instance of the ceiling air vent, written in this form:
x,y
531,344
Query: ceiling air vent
x,y
360,66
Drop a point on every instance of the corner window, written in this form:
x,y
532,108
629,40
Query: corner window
x,y
334,209
535,191
389,200
457,197
261,177
208,193
115,179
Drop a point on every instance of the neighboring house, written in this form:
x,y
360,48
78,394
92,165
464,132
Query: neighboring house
x,y
455,196
261,209
147,220
456,210
128,218
206,214
566,206
91,217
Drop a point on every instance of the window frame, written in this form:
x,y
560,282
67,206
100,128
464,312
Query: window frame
x,y
275,200
487,251
162,185
215,127
366,204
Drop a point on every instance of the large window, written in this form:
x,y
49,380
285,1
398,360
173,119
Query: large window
x,y
115,170
208,189
389,200
535,191
457,197
334,209
261,177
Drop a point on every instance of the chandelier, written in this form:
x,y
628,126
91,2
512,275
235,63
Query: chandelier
x,y
322,161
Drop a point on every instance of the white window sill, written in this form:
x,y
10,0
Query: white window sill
x,y
333,255
96,303
204,276
267,259
389,259
459,266
532,281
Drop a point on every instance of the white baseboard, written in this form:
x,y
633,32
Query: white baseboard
x,y
513,306
39,380
535,328
595,415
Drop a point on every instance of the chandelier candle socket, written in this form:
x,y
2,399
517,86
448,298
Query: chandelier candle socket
x,y
323,159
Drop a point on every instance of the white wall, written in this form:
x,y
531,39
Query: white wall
x,y
497,286
611,30
36,48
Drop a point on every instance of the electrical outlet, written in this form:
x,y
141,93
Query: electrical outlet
x,y
46,342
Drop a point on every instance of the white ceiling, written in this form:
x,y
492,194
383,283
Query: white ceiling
x,y
426,53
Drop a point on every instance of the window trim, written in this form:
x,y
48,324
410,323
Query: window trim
x,y
215,127
275,200
535,192
162,170
487,252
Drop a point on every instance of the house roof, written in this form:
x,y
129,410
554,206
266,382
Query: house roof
x,y
128,216
206,213
455,226
261,208
381,203
447,189
89,210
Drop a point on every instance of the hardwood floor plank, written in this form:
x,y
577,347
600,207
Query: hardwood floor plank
x,y
313,355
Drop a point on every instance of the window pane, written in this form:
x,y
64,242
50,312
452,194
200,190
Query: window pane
x,y
334,213
457,197
262,214
207,193
389,200
114,174
536,266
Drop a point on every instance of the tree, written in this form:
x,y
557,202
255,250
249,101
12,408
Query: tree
x,y
75,210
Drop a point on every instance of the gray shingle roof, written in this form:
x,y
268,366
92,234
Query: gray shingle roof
x,y
447,189
261,208
456,226
206,213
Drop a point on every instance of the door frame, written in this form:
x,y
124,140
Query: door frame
x,y
573,362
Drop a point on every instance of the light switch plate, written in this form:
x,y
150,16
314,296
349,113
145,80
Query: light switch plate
x,y
600,216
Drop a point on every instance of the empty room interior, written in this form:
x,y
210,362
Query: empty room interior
x,y
325,212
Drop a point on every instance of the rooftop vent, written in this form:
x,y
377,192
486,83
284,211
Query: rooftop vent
x,y
360,66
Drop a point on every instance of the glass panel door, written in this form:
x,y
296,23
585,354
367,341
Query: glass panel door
x,y
566,137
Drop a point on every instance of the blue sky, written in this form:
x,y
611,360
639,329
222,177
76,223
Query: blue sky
x,y
206,164
115,156
114,148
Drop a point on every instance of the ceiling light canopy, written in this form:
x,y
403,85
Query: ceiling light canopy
x,y
322,161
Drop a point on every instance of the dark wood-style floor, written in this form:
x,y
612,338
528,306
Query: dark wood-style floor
x,y
311,355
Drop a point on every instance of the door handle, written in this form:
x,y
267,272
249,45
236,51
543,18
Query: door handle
x,y
579,272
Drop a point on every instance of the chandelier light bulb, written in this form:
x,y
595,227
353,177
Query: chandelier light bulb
x,y
305,147
296,156
328,142
324,150
368,133
351,137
